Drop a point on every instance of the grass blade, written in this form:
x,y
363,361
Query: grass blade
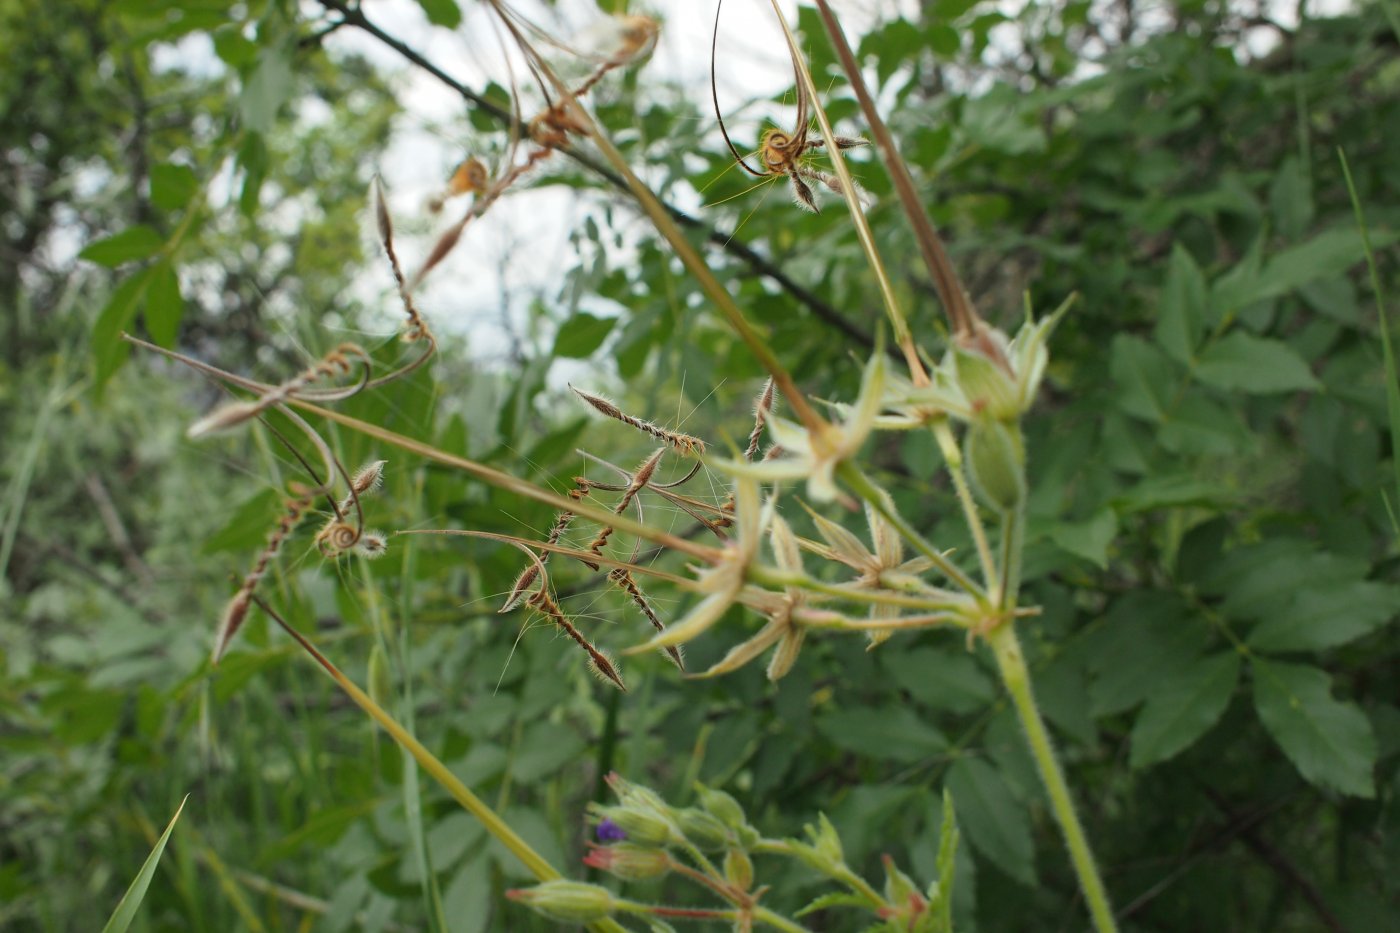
x,y
126,908
1392,382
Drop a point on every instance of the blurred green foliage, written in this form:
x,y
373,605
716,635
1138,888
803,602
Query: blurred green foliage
x,y
1210,468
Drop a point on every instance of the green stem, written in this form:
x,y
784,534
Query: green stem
x,y
842,875
1013,535
777,921
864,487
1012,665
948,444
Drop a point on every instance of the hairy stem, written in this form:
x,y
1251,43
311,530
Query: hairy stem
x,y
1011,663
948,445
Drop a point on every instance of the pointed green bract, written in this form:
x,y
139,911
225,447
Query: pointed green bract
x,y
131,901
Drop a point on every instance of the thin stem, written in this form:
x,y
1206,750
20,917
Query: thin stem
x,y
903,338
843,875
953,458
961,314
777,921
862,486
1011,663
1013,535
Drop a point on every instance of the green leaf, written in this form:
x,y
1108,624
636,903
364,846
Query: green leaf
x,y
581,334
136,242
1173,491
1291,199
1329,742
1146,378
1199,426
108,349
1089,538
321,830
995,822
126,908
1183,310
172,186
1321,618
442,12
888,734
1149,638
942,680
545,748
1324,256
164,306
267,89
1245,363
1181,710
247,525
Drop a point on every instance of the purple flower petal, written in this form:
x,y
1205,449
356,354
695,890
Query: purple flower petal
x,y
608,831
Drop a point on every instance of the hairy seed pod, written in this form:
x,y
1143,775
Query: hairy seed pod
x,y
337,538
994,455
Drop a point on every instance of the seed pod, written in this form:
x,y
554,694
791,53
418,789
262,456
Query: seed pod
x,y
629,862
567,901
703,830
996,463
721,806
738,869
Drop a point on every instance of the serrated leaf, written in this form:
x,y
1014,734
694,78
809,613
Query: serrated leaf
x,y
888,734
1089,538
1145,377
131,901
1330,742
834,899
172,186
1261,365
1184,708
442,12
108,349
1198,425
1322,618
1181,316
995,823
133,243
1324,256
1148,638
164,307
940,679
581,334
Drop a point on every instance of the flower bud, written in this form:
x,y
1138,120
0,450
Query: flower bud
x,y
984,376
629,862
641,826
703,830
996,463
567,901
738,869
721,806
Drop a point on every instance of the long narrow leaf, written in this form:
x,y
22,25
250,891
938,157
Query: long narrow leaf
x,y
126,908
1392,380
